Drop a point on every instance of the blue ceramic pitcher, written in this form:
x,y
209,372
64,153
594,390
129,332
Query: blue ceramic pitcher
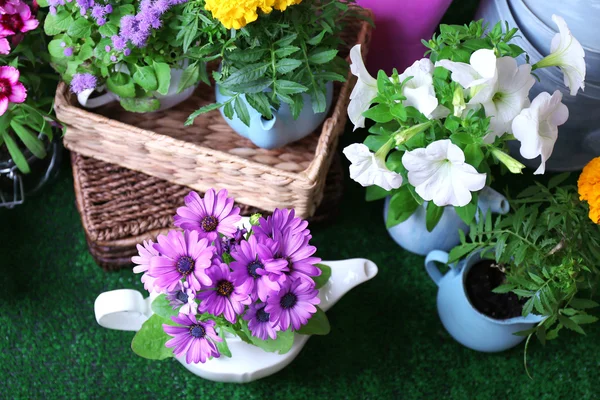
x,y
283,129
413,236
463,322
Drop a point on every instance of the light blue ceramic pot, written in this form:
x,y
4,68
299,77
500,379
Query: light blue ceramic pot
x,y
283,128
463,322
412,234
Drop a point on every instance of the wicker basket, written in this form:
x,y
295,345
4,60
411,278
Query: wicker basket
x,y
209,154
120,208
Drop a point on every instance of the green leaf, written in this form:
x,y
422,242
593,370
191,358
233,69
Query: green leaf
x,y
460,251
467,213
85,52
15,153
376,193
260,103
317,325
190,77
557,180
241,111
380,113
150,341
228,110
81,28
163,76
55,24
282,344
474,155
145,77
140,105
246,56
55,47
286,40
583,319
108,30
289,87
286,51
583,303
257,86
570,324
248,73
121,85
161,306
31,141
322,279
402,206
322,56
317,39
202,110
297,106
286,65
319,101
223,347
433,216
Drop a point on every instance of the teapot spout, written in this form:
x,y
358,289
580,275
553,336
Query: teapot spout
x,y
345,275
267,124
489,199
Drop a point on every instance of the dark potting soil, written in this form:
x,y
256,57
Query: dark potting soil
x,y
484,277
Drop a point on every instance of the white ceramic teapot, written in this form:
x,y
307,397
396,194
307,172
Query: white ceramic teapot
x,y
127,310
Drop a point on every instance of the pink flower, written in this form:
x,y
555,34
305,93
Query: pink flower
x,y
9,6
4,46
18,22
10,88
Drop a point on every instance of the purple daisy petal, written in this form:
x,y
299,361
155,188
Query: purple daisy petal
x,y
193,338
286,310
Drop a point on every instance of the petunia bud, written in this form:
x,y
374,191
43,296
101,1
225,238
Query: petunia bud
x,y
513,165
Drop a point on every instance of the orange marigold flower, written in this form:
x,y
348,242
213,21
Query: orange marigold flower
x,y
281,5
238,13
588,186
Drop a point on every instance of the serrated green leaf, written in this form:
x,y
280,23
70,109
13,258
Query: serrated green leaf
x,y
319,101
322,56
583,319
248,73
108,29
289,87
570,324
80,28
286,65
58,23
557,180
228,110
241,110
583,304
260,103
189,77
297,106
286,51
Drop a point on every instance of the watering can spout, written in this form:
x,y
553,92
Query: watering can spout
x,y
267,124
491,200
345,275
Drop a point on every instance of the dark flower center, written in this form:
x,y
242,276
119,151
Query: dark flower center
x,y
224,288
182,296
288,301
262,315
253,266
290,264
5,88
209,223
185,265
12,21
197,331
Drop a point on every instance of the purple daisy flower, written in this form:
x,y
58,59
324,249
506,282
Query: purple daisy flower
x,y
255,269
146,252
185,297
81,82
293,305
196,339
209,216
296,251
183,255
223,296
280,221
259,323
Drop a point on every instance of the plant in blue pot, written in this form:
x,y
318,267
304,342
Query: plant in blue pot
x,y
275,82
439,127
531,272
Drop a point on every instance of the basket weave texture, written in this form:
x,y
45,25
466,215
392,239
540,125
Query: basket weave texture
x,y
209,154
120,208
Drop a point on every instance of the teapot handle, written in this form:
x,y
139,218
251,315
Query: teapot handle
x,y
123,309
430,266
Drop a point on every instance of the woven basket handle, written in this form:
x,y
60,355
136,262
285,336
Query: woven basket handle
x,y
123,309
85,101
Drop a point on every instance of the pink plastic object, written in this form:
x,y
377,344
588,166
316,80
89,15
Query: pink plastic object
x,y
399,27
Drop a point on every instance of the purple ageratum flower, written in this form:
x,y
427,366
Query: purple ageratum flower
x,y
293,305
280,221
185,297
101,21
196,339
162,6
98,11
297,253
68,51
118,42
142,261
113,58
255,269
223,296
259,322
108,9
81,82
209,216
127,52
183,255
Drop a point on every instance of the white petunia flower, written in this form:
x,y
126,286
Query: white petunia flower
x,y
419,91
368,169
567,54
536,127
364,91
440,174
510,96
479,76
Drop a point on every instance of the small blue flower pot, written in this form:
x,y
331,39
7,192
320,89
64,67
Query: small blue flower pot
x,y
282,129
412,234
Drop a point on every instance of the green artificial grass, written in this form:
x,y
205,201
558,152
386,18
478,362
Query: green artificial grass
x,y
386,339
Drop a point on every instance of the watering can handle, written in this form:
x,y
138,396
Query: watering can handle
x,y
430,266
123,309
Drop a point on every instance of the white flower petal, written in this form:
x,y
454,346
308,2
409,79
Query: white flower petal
x,y
364,91
369,170
536,127
418,90
568,54
440,174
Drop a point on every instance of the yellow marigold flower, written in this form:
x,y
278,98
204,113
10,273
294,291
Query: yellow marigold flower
x,y
588,186
281,5
238,13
